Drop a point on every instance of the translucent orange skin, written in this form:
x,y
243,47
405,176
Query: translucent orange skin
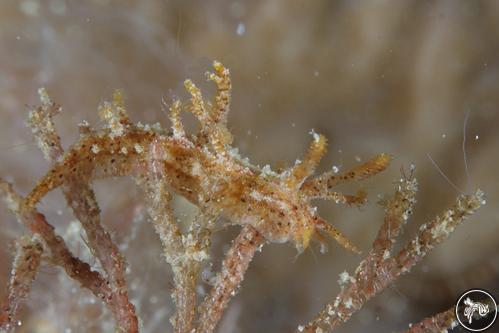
x,y
203,169
225,185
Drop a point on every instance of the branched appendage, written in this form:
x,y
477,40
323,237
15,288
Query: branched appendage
x,y
440,322
221,77
25,267
304,169
231,275
42,126
115,115
213,120
220,107
322,186
381,268
174,115
80,197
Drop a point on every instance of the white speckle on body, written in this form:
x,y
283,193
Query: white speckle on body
x,y
138,148
349,303
95,149
386,254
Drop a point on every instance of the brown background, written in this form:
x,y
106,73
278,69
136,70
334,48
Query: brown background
x,y
378,76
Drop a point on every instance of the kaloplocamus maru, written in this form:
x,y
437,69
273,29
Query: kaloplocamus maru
x,y
205,169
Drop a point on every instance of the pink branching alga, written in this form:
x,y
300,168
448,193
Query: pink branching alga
x,y
270,207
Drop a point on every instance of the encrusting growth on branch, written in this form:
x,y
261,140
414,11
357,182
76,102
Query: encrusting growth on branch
x,y
270,207
440,322
81,198
25,267
234,267
381,267
59,253
443,321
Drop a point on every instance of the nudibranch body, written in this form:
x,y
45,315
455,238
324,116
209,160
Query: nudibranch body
x,y
205,169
